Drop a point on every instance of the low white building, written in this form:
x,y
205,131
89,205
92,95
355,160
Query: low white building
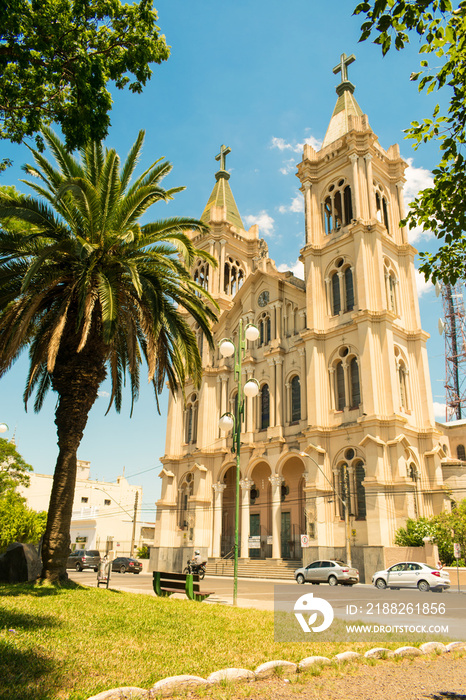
x,y
104,512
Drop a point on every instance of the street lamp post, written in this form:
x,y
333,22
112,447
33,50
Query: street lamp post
x,y
228,421
345,504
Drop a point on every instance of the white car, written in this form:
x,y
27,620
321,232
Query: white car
x,y
412,574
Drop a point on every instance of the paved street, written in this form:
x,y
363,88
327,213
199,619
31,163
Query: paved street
x,y
368,603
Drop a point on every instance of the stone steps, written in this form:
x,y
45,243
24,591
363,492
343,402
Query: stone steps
x,y
262,568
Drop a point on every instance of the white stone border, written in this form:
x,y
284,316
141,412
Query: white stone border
x,y
177,684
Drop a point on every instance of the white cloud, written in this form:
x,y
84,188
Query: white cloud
x,y
296,147
288,167
297,269
421,285
440,410
417,179
296,206
263,220
103,394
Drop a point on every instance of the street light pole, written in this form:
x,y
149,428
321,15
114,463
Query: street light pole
x,y
345,504
229,421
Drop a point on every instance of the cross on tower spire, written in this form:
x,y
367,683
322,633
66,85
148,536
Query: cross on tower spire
x,y
224,151
342,67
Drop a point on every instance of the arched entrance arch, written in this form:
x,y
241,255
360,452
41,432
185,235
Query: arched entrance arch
x,y
227,541
293,518
260,523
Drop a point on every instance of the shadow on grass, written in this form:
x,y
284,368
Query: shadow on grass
x,y
23,673
38,588
24,621
448,696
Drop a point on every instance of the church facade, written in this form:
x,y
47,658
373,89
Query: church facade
x,y
341,440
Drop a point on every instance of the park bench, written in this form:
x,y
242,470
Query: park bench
x,y
166,583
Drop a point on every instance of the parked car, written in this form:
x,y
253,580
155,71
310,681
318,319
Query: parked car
x,y
83,559
328,571
412,574
124,564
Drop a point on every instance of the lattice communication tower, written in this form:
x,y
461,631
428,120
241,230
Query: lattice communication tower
x,y
453,326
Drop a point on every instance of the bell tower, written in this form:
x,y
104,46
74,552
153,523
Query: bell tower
x,y
238,252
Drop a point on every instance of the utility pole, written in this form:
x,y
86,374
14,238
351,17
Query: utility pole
x,y
134,523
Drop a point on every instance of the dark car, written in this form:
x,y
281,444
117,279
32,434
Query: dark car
x,y
124,564
83,559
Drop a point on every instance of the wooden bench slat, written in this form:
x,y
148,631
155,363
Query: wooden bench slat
x,y
166,582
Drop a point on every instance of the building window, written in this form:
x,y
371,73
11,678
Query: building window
x,y
355,398
341,287
381,207
191,413
233,276
460,453
106,501
340,387
201,274
265,329
391,283
265,407
84,499
295,399
337,208
359,474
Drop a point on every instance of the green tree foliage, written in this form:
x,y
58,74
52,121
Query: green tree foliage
x,y
445,528
412,535
441,31
57,57
143,552
14,471
18,523
93,292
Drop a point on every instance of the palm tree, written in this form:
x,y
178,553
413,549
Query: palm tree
x,y
91,291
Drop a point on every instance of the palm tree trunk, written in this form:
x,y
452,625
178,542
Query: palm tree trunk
x,y
76,378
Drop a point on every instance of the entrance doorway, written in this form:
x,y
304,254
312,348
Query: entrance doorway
x,y
255,531
286,535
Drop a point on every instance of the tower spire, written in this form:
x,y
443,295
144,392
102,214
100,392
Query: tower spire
x,y
346,105
222,195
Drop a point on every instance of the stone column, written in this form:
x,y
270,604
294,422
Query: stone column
x,y
306,190
303,382
276,482
246,485
370,185
333,405
221,271
279,420
355,189
272,392
249,408
217,524
287,403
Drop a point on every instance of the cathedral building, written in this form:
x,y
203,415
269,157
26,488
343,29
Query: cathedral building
x,y
341,440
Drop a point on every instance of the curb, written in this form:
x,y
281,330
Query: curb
x,y
178,684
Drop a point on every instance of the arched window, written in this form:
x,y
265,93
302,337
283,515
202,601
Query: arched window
x,y
184,492
349,289
402,384
359,474
295,399
391,283
336,299
460,453
350,475
191,419
341,287
337,207
233,276
340,387
265,329
354,383
381,207
265,407
201,274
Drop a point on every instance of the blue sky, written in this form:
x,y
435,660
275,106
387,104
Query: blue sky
x,y
255,75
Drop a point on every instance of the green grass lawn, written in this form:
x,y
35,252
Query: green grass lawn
x,y
75,642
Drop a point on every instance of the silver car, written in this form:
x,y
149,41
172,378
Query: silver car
x,y
412,574
328,571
